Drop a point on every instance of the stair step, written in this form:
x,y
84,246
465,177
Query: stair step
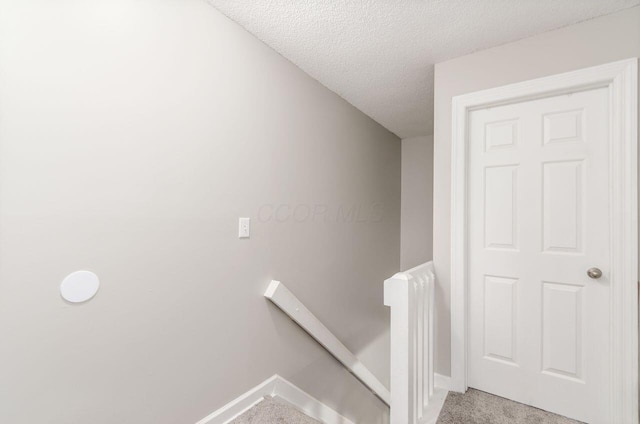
x,y
273,410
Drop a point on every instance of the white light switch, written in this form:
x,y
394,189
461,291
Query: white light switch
x,y
244,227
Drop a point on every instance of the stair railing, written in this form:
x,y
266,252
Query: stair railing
x,y
410,295
282,297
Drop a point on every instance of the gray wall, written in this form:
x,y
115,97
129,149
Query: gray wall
x,y
416,241
133,134
598,41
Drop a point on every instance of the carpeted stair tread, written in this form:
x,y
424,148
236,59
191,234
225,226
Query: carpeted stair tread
x,y
274,411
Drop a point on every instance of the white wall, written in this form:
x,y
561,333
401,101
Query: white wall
x,y
133,134
598,41
416,240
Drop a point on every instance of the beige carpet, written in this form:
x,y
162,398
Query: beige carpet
x,y
473,407
274,411
476,407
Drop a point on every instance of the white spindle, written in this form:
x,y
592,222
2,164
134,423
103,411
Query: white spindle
x,y
430,317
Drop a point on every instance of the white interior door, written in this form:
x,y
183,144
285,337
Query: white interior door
x,y
539,326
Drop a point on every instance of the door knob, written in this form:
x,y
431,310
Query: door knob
x,y
594,273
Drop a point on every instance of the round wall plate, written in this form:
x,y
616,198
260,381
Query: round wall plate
x,y
79,286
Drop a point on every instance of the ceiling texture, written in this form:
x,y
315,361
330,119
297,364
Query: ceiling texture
x,y
379,54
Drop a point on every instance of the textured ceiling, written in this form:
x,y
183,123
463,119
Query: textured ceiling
x,y
379,54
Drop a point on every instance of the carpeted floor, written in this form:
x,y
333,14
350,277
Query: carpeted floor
x,y
473,407
273,411
476,407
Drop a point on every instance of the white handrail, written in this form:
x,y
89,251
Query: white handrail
x,y
410,295
290,305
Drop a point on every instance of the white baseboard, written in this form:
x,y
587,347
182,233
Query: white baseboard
x,y
442,381
435,406
307,403
440,392
278,387
242,403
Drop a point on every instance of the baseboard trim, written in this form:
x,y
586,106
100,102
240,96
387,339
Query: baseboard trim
x,y
278,387
436,402
242,403
307,403
442,381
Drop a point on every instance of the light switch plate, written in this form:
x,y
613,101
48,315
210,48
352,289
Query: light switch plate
x,y
244,227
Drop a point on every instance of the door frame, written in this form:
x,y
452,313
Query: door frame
x,y
621,79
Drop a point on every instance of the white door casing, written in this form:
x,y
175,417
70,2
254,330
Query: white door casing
x,y
536,148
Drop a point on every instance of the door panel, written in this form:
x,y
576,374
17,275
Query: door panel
x,y
538,219
562,333
500,207
562,203
500,318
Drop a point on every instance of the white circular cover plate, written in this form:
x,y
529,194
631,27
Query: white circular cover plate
x,y
79,286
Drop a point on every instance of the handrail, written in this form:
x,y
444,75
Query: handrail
x,y
280,295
